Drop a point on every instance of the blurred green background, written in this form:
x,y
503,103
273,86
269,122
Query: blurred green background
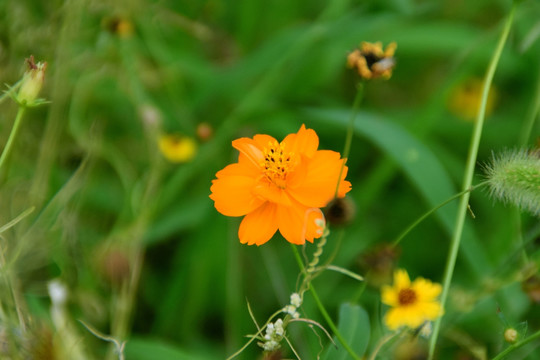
x,y
122,226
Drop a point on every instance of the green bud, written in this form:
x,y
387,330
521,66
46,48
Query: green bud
x,y
514,177
32,82
511,335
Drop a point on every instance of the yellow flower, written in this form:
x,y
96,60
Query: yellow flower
x,y
371,61
464,100
119,26
412,303
280,186
176,148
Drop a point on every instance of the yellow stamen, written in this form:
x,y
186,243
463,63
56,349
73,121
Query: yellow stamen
x,y
277,164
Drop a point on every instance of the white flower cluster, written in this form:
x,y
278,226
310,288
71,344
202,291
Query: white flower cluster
x,y
274,335
290,309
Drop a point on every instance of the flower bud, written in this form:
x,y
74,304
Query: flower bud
x,y
32,82
510,335
204,131
340,211
115,267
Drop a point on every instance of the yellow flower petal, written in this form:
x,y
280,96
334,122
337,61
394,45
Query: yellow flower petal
x,y
401,279
177,149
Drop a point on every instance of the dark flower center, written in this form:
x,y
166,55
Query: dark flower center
x,y
371,59
407,296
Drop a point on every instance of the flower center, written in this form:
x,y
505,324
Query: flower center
x,y
277,163
407,296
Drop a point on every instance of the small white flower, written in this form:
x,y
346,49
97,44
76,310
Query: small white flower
x,y
271,345
320,223
289,309
57,292
279,328
296,300
425,331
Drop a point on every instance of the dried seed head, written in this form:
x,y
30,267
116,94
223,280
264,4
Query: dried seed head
x,y
372,61
340,211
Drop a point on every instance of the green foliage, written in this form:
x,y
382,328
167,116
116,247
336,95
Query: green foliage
x,y
135,239
353,323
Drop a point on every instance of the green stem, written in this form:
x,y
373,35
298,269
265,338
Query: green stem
x,y
532,116
469,172
428,213
350,131
9,145
517,345
322,309
381,343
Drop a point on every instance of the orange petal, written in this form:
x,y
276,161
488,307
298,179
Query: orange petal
x,y
264,141
320,181
259,226
298,223
251,149
315,224
270,192
239,169
304,142
233,194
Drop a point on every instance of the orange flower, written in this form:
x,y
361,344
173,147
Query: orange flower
x,y
279,186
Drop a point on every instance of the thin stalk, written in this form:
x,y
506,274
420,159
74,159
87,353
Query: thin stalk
x,y
125,300
517,345
12,136
322,309
381,343
350,131
469,172
532,116
429,212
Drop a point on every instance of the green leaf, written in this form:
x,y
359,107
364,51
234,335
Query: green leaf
x,y
144,349
419,164
353,324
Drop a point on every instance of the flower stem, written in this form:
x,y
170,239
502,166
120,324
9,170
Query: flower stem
x,y
517,345
350,130
381,343
428,213
469,172
9,145
532,117
322,309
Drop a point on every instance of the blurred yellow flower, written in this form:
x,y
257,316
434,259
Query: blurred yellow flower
x,y
119,26
176,148
464,100
371,61
412,303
